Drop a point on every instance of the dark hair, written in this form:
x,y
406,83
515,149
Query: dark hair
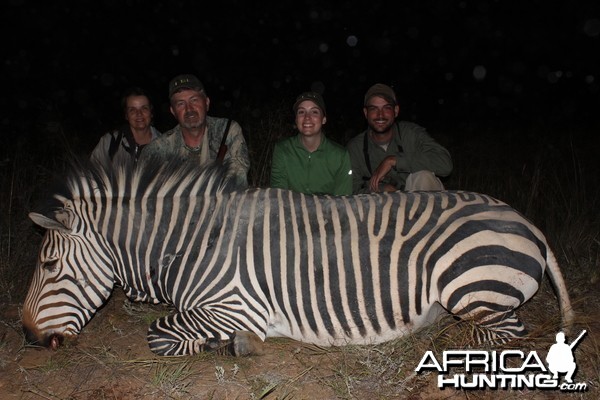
x,y
134,91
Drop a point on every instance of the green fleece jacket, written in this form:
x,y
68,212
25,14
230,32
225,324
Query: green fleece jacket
x,y
324,171
414,149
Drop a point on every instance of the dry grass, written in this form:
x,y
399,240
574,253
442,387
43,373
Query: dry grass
x,y
112,348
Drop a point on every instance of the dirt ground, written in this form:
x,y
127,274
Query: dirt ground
x,y
111,360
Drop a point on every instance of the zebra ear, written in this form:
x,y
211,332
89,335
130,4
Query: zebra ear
x,y
59,220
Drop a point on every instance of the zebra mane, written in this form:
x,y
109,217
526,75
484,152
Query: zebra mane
x,y
147,179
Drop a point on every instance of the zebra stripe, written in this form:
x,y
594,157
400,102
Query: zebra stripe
x,y
320,269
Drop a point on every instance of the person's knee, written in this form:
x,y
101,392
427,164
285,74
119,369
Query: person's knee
x,y
423,180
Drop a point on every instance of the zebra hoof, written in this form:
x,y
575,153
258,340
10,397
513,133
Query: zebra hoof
x,y
246,343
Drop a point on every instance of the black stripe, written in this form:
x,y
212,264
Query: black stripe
x,y
484,285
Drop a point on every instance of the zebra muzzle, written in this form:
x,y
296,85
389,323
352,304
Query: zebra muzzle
x,y
55,341
52,341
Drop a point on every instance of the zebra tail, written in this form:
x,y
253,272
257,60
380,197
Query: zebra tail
x,y
556,277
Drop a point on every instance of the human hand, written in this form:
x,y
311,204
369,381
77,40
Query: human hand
x,y
381,171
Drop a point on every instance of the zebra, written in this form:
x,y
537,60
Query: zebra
x,y
262,262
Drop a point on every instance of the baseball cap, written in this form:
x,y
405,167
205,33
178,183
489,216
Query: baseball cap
x,y
379,89
185,81
312,96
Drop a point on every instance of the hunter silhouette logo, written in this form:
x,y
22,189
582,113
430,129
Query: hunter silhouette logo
x,y
560,357
506,369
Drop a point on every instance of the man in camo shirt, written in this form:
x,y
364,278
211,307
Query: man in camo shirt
x,y
198,135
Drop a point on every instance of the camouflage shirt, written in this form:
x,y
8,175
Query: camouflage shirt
x,y
171,144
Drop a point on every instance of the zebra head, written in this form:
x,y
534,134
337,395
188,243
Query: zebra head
x,y
72,279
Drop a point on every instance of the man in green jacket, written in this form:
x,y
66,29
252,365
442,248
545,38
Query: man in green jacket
x,y
309,162
394,155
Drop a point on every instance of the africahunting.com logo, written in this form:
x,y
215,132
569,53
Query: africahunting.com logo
x,y
507,369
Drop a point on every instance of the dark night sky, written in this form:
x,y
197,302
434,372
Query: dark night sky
x,y
453,63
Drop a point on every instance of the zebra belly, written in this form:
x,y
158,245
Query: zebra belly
x,y
281,327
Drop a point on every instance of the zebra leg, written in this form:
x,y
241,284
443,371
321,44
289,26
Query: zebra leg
x,y
497,327
245,343
193,331
180,334
501,327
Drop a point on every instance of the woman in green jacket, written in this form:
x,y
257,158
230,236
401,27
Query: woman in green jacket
x,y
309,162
